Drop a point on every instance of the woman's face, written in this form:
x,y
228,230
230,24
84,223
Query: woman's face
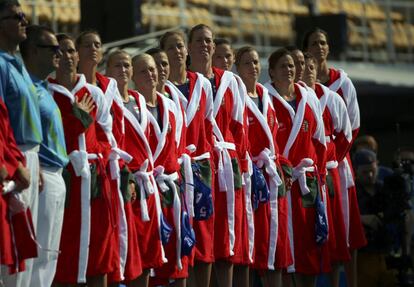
x,y
310,72
318,46
283,71
120,68
145,75
176,50
223,57
249,66
201,48
163,67
90,49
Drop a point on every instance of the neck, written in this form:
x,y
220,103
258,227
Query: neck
x,y
161,88
150,97
323,72
68,80
8,47
203,67
251,88
123,90
286,91
89,71
178,74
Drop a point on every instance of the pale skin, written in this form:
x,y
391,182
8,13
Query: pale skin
x,y
299,61
223,57
90,55
249,70
163,68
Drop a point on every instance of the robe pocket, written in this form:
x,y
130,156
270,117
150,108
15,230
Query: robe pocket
x,y
67,177
167,197
308,200
236,174
330,185
281,191
95,181
205,171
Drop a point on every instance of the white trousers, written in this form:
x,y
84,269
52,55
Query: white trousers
x,y
49,226
31,197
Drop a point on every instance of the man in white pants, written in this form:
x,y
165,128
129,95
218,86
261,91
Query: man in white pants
x,y
41,53
21,101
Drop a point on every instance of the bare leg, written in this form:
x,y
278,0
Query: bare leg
x,y
334,276
199,275
305,280
351,270
272,278
241,275
224,273
287,280
141,281
252,275
97,281
181,282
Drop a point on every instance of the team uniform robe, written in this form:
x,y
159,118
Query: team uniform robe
x,y
117,160
230,238
340,83
164,142
301,137
147,206
271,244
17,241
197,106
338,141
88,223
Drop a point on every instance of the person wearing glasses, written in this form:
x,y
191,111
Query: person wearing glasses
x,y
21,100
40,52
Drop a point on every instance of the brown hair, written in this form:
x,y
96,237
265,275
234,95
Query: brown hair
x,y
80,37
240,52
275,57
167,35
196,28
309,33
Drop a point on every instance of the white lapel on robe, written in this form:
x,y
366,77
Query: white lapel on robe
x,y
180,119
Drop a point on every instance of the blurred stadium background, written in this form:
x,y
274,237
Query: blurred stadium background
x,y
372,40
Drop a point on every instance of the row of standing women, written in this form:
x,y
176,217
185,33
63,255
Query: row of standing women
x,y
199,167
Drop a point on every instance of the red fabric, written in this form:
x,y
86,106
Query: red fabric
x,y
309,257
102,224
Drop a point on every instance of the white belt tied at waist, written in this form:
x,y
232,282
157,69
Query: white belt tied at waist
x,y
225,168
114,156
79,160
164,179
332,164
267,159
328,139
185,160
299,173
143,178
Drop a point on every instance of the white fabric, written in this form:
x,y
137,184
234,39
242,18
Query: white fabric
x,y
30,197
143,179
347,181
49,226
247,187
299,174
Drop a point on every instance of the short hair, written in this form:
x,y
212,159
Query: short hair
x,y
62,36
33,34
222,41
5,4
309,33
196,28
309,56
115,53
275,56
80,37
292,48
364,157
141,56
154,51
167,35
240,52
366,142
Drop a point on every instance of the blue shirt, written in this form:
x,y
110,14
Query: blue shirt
x,y
20,97
52,149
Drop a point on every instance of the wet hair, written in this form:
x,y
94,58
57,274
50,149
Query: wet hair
x,y
5,4
154,51
196,28
140,57
292,48
309,33
309,56
275,57
62,36
33,34
222,41
115,53
240,52
167,35
80,37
